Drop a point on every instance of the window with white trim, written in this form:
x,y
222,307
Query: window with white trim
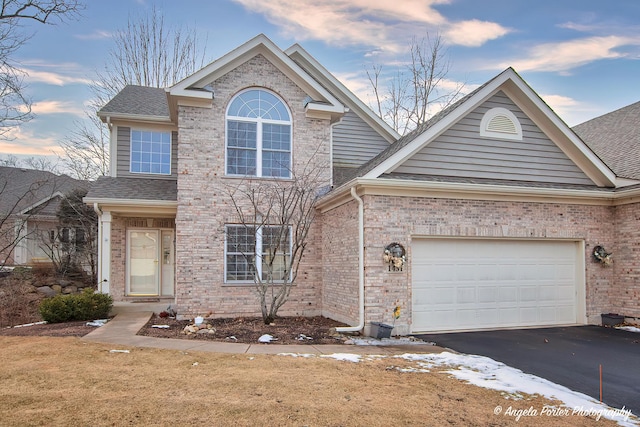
x,y
150,152
271,245
500,123
258,135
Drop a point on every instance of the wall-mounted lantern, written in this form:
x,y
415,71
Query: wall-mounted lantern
x,y
602,256
395,256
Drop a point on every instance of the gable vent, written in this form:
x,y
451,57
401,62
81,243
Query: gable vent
x,y
500,123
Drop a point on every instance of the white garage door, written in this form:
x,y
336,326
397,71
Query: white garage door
x,y
462,284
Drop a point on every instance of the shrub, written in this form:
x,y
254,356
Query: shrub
x,y
85,306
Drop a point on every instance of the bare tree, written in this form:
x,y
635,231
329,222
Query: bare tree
x,y
279,214
15,197
86,148
147,53
15,107
37,163
72,248
406,99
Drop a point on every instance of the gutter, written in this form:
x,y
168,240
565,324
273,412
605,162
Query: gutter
x,y
360,324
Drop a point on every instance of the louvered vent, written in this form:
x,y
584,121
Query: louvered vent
x,y
502,124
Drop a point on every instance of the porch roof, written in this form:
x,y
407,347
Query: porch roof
x,y
110,188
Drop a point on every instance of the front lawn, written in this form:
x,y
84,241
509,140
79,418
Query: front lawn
x,y
70,382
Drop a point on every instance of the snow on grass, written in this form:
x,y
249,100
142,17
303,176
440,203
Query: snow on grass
x,y
628,328
487,373
386,341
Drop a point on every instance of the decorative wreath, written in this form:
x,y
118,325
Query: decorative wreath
x,y
601,255
395,256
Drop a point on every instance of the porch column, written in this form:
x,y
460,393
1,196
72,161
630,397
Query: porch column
x,y
104,253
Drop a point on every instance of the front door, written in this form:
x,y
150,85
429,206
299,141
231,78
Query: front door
x,y
151,262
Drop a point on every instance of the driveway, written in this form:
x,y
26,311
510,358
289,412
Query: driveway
x,y
569,356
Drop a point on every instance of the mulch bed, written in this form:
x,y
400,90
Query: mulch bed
x,y
66,329
286,330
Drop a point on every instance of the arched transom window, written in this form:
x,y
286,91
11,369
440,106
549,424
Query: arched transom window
x,y
258,135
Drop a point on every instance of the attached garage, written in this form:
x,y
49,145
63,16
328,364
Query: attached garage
x,y
464,284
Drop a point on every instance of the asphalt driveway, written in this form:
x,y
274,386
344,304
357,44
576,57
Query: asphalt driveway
x,y
569,356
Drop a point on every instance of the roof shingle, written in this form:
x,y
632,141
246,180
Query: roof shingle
x,y
138,100
615,138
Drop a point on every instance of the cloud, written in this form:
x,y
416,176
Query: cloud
x,y
56,79
95,35
474,33
56,107
380,24
54,73
29,142
566,55
568,109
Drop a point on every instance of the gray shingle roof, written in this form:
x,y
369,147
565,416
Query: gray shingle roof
x,y
615,138
138,100
107,187
21,188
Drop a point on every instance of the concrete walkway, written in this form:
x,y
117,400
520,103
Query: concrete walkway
x,y
122,329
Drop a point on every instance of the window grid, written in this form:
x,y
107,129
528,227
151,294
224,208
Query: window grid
x,y
258,142
150,152
245,243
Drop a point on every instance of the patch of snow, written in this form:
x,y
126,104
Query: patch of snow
x,y
97,323
160,326
628,328
232,338
304,355
30,324
266,338
344,356
487,373
303,337
386,341
118,351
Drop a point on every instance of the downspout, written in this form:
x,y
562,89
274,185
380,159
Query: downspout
x,y
99,213
360,325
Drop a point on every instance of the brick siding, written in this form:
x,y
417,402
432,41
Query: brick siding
x,y
204,205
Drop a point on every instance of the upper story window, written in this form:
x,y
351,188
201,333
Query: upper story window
x,y
258,135
500,123
150,152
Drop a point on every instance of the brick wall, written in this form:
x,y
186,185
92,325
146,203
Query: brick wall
x,y
340,263
396,219
204,205
625,291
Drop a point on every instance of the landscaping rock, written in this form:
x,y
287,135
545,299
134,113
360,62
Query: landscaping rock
x,y
57,288
46,290
69,289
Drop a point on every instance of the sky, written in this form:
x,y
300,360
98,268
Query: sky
x,y
581,56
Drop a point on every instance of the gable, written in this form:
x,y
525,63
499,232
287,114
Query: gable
x,y
355,142
196,90
466,150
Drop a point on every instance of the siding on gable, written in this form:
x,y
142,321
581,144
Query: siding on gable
x,y
124,153
355,142
461,152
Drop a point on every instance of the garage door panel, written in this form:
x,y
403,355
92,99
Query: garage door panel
x,y
492,283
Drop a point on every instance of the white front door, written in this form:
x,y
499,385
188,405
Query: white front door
x,y
150,262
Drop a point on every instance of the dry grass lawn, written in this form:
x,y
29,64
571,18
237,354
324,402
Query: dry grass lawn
x,y
68,382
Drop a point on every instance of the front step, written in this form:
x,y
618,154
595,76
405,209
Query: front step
x,y
157,305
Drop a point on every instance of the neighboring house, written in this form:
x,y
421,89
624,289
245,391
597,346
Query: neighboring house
x,y
29,201
487,216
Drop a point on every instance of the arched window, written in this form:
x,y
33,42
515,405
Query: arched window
x,y
258,135
500,123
